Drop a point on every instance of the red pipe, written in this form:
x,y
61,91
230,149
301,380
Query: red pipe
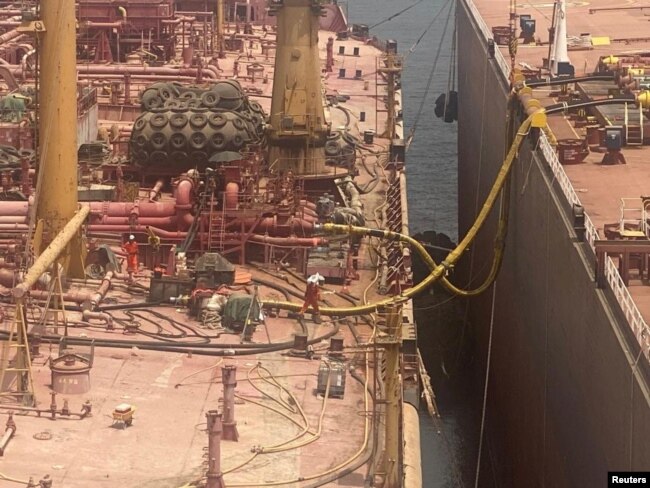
x,y
138,229
87,315
166,214
270,225
155,191
13,219
14,208
97,69
143,221
7,278
309,213
212,69
188,14
100,25
184,205
232,195
99,295
308,204
8,36
177,20
146,78
134,70
289,241
14,227
75,296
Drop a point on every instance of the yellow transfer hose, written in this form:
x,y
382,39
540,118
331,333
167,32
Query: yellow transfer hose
x,y
438,271
499,246
502,227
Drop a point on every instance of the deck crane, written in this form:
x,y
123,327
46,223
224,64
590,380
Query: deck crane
x,y
559,63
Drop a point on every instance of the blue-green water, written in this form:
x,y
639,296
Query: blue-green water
x,y
431,161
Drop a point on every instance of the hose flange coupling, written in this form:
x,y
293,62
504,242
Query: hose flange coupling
x,y
448,267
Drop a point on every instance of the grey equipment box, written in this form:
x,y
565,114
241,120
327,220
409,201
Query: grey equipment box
x,y
163,288
212,270
336,371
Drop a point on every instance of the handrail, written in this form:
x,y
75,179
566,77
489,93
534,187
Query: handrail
x,y
636,321
487,34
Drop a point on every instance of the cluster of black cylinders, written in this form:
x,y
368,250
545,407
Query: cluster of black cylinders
x,y
186,126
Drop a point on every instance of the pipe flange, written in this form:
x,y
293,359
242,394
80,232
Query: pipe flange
x,y
46,435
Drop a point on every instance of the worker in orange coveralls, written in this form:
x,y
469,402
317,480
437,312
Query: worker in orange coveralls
x,y
312,295
131,249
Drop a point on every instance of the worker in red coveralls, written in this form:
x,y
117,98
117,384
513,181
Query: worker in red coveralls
x,y
131,249
312,295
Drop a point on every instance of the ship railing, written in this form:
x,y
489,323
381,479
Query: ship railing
x,y
565,185
633,216
626,302
637,323
487,34
591,233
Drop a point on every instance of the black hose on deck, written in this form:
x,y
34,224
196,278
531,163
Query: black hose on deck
x,y
562,81
561,107
125,306
230,349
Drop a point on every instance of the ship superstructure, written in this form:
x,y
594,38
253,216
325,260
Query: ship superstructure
x,y
154,332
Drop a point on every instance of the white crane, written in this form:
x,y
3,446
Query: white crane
x,y
559,52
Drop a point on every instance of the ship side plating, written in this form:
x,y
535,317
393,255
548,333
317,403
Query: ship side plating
x,y
568,395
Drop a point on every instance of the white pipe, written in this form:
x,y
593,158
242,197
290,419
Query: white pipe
x,y
23,61
412,454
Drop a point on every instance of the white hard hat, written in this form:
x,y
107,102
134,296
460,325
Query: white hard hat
x,y
315,278
131,237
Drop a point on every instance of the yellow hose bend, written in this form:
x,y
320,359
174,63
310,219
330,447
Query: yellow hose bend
x,y
438,271
499,247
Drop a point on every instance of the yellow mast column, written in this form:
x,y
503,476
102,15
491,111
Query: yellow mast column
x,y
297,130
392,343
56,197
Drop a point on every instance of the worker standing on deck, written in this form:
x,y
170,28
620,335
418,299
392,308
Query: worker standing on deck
x,y
131,249
312,295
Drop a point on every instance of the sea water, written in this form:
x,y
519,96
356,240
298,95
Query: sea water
x,y
449,444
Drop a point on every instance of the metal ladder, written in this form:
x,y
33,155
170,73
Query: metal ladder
x,y
217,225
633,130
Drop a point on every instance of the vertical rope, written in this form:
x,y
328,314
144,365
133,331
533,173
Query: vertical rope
x,y
485,390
